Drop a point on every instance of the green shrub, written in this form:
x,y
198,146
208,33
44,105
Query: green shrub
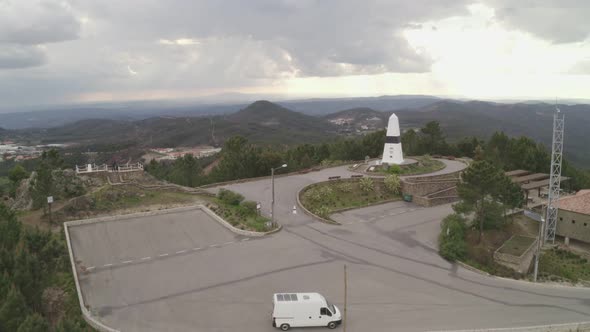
x,y
249,206
393,184
229,197
394,169
322,211
367,184
345,187
451,240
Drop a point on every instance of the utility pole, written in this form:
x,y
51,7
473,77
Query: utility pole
x,y
272,202
345,298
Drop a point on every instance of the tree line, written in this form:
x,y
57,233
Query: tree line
x,y
241,159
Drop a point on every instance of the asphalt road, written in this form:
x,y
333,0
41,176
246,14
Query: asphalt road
x,y
397,281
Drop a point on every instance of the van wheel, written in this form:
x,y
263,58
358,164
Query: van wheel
x,y
332,325
285,327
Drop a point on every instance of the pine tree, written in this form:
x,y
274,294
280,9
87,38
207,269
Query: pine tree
x,y
14,311
480,182
34,323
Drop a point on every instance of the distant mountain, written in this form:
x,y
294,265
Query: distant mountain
x,y
383,103
139,110
262,122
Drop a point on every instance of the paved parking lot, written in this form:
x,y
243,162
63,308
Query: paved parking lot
x,y
182,271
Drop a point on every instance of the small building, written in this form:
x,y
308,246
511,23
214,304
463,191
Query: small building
x,y
574,217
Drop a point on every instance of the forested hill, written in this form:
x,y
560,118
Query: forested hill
x,y
261,122
482,119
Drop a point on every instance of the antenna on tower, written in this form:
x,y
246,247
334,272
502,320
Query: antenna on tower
x,y
555,178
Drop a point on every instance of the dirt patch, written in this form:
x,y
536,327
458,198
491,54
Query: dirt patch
x,y
517,245
53,304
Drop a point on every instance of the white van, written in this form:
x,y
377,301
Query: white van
x,y
303,309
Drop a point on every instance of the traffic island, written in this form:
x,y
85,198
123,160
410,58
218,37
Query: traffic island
x,y
326,198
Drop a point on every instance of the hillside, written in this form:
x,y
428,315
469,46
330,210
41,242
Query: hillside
x,y
324,106
476,118
262,122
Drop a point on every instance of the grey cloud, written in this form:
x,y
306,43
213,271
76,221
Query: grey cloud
x,y
20,56
37,22
324,38
559,21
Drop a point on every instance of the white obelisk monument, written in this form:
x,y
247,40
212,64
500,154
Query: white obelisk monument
x,y
392,152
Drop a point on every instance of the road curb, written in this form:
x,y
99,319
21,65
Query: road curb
x,y
311,214
567,327
522,281
238,231
86,314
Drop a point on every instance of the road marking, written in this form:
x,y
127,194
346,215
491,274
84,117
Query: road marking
x,y
146,258
214,245
228,243
90,268
107,265
195,249
127,262
246,239
163,255
181,252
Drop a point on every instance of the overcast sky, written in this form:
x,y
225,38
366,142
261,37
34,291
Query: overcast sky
x,y
63,51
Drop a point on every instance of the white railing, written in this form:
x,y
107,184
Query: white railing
x,y
93,168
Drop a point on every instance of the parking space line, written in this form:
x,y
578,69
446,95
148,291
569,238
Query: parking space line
x,y
214,245
228,243
146,258
90,268
246,239
196,248
181,252
107,265
127,262
163,255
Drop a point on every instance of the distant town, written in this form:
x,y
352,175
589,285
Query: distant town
x,y
11,150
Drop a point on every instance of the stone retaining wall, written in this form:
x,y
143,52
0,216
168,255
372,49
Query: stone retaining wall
x,y
432,190
520,264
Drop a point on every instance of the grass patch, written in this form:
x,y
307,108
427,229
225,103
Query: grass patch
x,y
325,198
516,245
556,264
240,216
116,198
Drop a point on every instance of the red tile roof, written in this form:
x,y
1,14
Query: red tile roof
x,y
579,203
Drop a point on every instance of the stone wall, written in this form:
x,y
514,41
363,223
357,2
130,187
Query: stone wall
x,y
432,190
520,264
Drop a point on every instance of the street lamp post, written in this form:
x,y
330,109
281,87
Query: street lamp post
x,y
272,202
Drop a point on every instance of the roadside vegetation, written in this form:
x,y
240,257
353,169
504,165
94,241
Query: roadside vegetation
x,y
37,291
241,214
557,264
325,198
